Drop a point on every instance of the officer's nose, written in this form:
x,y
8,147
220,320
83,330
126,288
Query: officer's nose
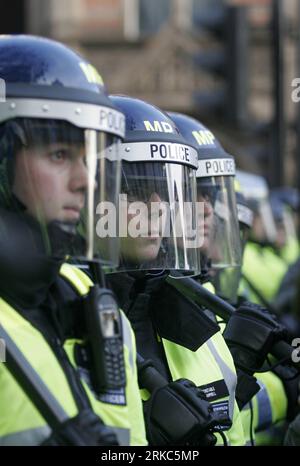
x,y
207,208
154,198
79,175
155,210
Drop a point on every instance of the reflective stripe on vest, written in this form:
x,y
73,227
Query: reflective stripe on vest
x,y
17,414
123,435
264,408
33,437
228,375
270,402
212,362
20,421
30,437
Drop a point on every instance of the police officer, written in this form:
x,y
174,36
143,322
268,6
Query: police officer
x,y
171,331
212,173
221,251
284,203
269,417
57,126
227,281
263,269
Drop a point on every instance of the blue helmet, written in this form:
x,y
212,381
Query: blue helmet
x,y
30,61
158,167
39,71
150,136
56,107
215,188
146,122
216,160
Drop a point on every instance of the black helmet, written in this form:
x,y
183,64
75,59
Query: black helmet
x,y
36,69
256,191
158,169
56,109
215,188
282,202
245,213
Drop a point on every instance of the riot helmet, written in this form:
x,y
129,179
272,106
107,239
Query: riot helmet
x,y
215,189
158,187
256,192
284,204
245,217
227,280
59,139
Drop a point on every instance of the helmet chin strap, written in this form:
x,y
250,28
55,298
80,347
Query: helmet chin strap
x,y
156,273
66,227
205,267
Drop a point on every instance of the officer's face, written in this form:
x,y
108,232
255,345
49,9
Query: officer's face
x,y
51,181
145,247
206,223
258,229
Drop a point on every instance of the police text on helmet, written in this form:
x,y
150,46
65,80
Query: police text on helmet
x,y
204,137
112,120
170,152
216,167
160,126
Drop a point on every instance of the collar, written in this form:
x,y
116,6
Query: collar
x,y
25,275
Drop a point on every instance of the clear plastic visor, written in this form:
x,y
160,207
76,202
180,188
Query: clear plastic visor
x,y
226,283
289,224
264,227
59,177
158,229
221,246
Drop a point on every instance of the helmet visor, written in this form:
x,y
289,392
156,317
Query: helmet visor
x,y
255,190
221,247
264,227
158,217
226,283
60,176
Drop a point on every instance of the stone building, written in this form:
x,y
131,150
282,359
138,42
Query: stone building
x,y
147,49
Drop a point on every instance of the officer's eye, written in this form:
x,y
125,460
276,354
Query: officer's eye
x,y
133,198
203,198
59,155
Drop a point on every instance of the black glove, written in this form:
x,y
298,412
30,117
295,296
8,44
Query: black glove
x,y
179,414
250,334
246,388
85,429
292,437
291,381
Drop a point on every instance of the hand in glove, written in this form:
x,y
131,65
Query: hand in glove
x,y
179,414
250,334
85,429
290,379
292,437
